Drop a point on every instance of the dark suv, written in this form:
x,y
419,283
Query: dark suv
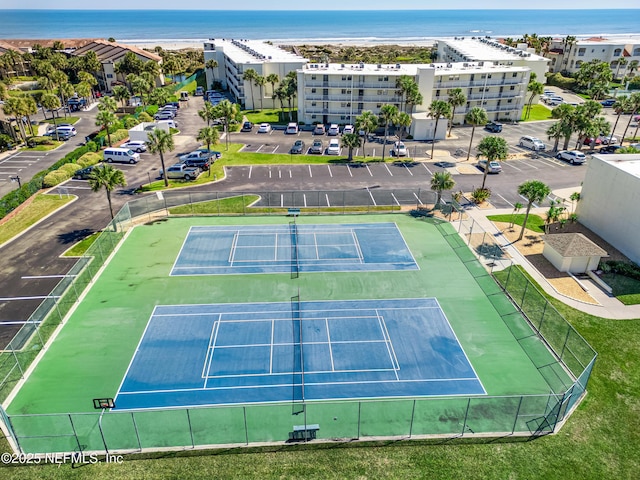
x,y
494,127
202,163
247,127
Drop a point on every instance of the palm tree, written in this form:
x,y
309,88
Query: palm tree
x,y
249,76
621,61
50,102
387,114
210,65
556,131
634,99
120,93
209,136
228,111
84,90
159,141
273,78
476,116
401,121
622,104
565,113
366,123
437,109
208,113
106,119
494,148
516,208
30,107
107,104
441,181
260,82
351,141
534,191
456,99
13,106
109,178
534,88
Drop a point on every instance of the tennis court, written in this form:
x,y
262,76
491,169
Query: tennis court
x,y
243,249
277,352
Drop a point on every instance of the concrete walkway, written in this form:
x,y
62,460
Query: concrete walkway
x,y
610,307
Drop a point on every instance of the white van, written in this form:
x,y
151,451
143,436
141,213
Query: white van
x,y
168,123
68,129
121,155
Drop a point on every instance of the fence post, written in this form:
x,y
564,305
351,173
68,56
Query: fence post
x,y
473,222
135,427
544,310
193,444
359,407
75,434
246,428
515,420
413,411
524,293
466,414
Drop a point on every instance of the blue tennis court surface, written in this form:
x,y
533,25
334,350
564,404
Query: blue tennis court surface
x,y
281,352
242,249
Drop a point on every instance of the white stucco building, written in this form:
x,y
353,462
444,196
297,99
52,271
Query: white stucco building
x,y
609,201
572,252
235,57
338,93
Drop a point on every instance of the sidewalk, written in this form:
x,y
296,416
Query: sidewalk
x,y
609,307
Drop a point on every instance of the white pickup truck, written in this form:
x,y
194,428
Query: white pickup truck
x,y
181,171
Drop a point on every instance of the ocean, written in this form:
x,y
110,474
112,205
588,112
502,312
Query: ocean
x,y
147,26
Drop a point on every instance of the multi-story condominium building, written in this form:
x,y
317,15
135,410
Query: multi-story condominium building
x,y
338,93
622,54
488,50
235,57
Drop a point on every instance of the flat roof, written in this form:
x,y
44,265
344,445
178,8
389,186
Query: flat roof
x,y
629,163
252,51
487,49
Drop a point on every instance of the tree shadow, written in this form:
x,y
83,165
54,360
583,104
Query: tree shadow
x,y
74,236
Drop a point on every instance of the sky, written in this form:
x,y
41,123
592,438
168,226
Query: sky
x,y
310,5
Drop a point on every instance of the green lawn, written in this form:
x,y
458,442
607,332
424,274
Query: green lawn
x,y
41,206
71,120
44,148
273,115
81,247
534,222
625,289
538,112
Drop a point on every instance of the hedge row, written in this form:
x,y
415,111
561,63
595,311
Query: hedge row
x,y
627,269
557,80
66,171
13,199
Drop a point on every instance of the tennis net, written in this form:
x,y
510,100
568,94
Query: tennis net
x,y
295,264
298,353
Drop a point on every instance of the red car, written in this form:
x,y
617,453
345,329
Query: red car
x,y
590,141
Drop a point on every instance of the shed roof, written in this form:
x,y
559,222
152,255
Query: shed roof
x,y
112,52
573,245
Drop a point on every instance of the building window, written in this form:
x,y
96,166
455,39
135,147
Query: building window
x,y
313,104
578,63
346,92
636,52
617,52
313,90
378,105
313,77
512,87
509,101
109,75
379,92
514,74
437,93
581,52
343,117
313,116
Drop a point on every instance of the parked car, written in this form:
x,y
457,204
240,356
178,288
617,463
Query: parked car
x,y
58,135
181,171
83,173
347,129
201,163
574,157
164,115
264,128
316,147
333,130
493,127
334,147
213,154
592,142
199,91
247,127
120,155
398,150
292,129
298,147
492,167
135,146
195,155
532,143
609,149
319,129
607,139
608,102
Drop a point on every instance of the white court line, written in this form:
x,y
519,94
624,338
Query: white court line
x,y
173,267
356,243
386,166
275,249
505,199
315,241
206,365
372,199
395,199
427,168
213,348
369,170
333,368
284,344
327,197
310,174
387,342
250,168
273,326
330,173
232,252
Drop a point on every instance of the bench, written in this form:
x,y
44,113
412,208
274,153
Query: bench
x,y
293,212
304,432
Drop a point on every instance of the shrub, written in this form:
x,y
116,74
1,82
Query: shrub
x,y
628,269
52,179
68,170
89,158
130,122
480,195
151,110
145,117
92,146
558,80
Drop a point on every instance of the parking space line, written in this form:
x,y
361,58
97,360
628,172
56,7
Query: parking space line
x,y
417,197
372,199
427,168
326,195
505,199
529,165
395,199
508,164
310,174
274,150
349,170
304,199
290,174
250,169
387,167
330,174
369,170
279,173
527,200
269,172
410,172
259,148
281,200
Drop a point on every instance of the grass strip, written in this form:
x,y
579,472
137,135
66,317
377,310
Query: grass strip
x,y
41,206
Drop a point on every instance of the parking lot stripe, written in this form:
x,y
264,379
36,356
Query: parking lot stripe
x,y
527,200
259,148
427,168
369,170
372,199
310,174
417,197
269,172
349,170
279,173
326,195
304,199
281,200
250,168
505,199
395,199
410,172
330,174
385,166
508,164
290,174
274,150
